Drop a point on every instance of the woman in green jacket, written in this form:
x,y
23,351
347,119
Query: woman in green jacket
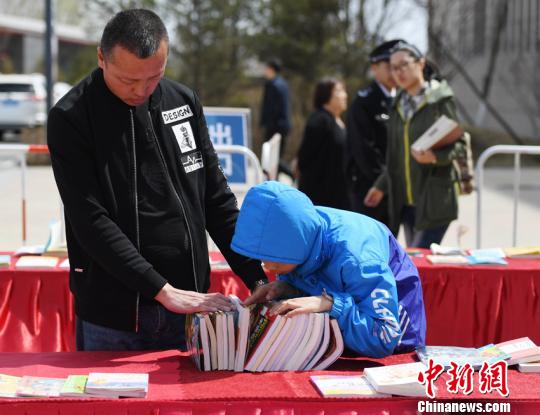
x,y
421,186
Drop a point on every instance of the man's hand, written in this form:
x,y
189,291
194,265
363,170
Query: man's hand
x,y
302,305
270,291
424,157
373,197
185,302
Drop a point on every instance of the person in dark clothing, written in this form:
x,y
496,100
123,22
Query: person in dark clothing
x,y
366,133
141,184
420,185
322,152
275,110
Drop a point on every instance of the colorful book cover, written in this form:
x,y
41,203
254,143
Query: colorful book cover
x,y
444,355
74,386
33,386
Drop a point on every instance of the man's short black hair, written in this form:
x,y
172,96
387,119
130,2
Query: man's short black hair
x,y
274,64
139,31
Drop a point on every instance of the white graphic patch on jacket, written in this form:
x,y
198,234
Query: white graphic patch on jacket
x,y
176,114
390,328
184,137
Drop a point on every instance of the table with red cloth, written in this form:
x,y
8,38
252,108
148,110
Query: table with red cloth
x,y
176,387
465,305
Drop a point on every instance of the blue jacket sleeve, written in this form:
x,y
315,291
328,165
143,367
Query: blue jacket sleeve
x,y
365,305
367,309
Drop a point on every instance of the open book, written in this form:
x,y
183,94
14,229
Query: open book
x,y
443,132
248,338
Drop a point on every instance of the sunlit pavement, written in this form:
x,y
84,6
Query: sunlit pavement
x,y
43,205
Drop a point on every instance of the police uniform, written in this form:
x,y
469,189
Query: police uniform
x,y
366,140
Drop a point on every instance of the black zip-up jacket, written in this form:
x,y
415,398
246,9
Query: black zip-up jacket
x,y
93,139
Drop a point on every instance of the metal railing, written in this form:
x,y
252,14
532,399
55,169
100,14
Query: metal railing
x,y
252,158
18,152
517,151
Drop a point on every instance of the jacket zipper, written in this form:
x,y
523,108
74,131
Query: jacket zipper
x,y
408,184
136,201
178,198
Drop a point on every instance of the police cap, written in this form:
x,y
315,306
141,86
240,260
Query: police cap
x,y
382,51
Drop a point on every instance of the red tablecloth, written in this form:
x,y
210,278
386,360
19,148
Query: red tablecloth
x,y
465,305
176,387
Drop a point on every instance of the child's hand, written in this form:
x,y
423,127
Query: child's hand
x,y
270,291
302,305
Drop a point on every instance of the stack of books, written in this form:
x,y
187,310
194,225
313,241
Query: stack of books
x,y
248,338
94,385
514,352
402,379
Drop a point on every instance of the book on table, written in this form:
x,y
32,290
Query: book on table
x,y
443,131
113,385
531,367
5,260
345,386
75,386
40,387
31,261
445,355
251,339
399,379
448,259
522,350
532,252
8,386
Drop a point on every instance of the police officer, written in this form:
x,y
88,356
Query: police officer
x,y
366,132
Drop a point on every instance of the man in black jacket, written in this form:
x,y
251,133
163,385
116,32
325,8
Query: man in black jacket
x,y
366,133
140,183
275,110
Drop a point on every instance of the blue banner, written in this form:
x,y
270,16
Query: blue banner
x,y
228,126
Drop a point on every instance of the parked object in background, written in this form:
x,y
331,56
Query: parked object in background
x,y
23,101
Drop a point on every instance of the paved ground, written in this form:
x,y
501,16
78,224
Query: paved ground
x,y
43,205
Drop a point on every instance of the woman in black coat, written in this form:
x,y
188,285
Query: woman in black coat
x,y
321,157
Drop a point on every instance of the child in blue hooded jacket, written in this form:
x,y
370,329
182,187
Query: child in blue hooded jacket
x,y
337,261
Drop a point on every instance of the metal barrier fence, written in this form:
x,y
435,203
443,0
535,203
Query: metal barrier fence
x,y
19,152
517,151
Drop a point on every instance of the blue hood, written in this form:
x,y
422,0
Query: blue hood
x,y
279,223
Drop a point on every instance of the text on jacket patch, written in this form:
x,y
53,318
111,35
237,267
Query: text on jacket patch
x,y
192,162
176,114
390,328
184,137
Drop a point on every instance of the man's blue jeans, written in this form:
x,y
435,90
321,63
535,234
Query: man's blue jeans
x,y
159,329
